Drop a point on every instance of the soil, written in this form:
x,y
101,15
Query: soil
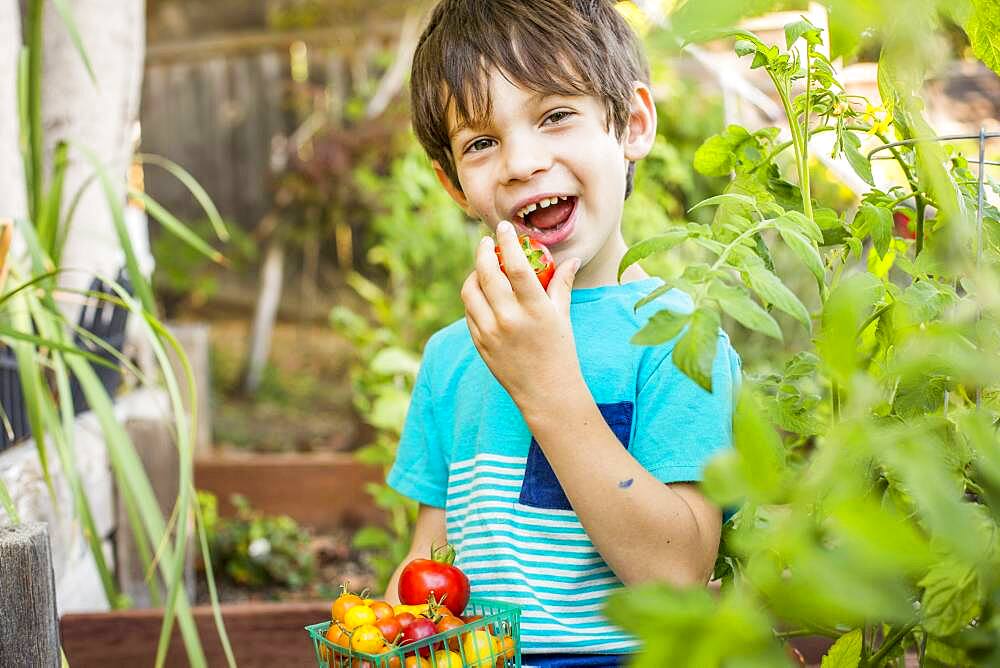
x,y
336,563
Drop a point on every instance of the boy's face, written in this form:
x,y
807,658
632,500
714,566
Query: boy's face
x,y
553,167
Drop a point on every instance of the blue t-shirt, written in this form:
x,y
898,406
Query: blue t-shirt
x,y
466,448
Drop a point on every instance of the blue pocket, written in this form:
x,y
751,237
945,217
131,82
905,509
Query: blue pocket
x,y
541,488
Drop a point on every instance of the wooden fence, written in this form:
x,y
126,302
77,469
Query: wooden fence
x,y
218,106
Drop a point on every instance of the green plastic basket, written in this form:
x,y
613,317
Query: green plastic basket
x,y
501,619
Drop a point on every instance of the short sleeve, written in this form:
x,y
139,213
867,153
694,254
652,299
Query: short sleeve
x,y
679,425
421,468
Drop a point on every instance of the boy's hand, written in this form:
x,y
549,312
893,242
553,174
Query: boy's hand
x,y
522,331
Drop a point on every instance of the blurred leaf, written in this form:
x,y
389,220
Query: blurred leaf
x,y
983,28
845,653
394,360
951,598
647,247
695,352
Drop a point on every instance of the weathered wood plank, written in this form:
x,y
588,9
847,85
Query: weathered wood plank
x,y
320,490
261,634
29,628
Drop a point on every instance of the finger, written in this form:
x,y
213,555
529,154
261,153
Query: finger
x,y
478,311
519,272
560,289
494,286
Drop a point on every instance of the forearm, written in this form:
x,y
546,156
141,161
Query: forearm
x,y
644,529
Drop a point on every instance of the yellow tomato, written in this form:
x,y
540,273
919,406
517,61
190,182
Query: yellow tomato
x,y
447,659
478,649
366,638
359,615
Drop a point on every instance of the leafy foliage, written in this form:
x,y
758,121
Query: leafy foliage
x,y
865,463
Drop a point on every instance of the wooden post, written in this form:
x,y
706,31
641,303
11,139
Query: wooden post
x,y
29,624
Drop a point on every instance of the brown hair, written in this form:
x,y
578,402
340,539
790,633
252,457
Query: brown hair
x,y
560,47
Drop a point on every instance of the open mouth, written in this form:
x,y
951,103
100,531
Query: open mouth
x,y
548,219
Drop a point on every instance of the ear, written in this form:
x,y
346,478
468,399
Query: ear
x,y
641,130
454,191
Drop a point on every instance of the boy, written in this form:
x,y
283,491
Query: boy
x,y
558,458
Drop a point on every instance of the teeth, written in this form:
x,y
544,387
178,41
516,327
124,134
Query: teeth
x,y
544,203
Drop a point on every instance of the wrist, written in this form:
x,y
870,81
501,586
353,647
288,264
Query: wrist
x,y
568,399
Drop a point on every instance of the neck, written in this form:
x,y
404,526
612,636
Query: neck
x,y
603,267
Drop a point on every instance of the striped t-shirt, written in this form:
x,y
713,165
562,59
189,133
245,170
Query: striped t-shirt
x,y
466,448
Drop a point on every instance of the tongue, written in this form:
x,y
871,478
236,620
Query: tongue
x,y
550,216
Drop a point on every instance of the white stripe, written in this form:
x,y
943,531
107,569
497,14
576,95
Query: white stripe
x,y
490,555
541,598
497,565
504,517
549,584
485,483
530,545
501,532
597,647
512,494
488,457
499,470
539,615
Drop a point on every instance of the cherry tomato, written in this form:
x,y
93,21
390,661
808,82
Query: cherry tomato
x,y
358,616
478,649
450,623
418,630
505,649
446,659
416,662
389,627
381,609
405,619
366,638
539,258
344,603
437,577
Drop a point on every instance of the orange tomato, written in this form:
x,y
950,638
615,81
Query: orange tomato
x,y
344,603
505,649
381,609
417,662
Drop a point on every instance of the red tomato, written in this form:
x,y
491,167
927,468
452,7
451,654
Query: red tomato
x,y
538,256
419,630
423,578
903,224
450,623
390,628
381,609
405,619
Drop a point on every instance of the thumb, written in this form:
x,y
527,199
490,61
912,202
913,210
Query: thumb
x,y
561,285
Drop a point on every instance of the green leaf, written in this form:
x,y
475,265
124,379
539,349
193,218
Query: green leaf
x,y
798,221
717,154
725,198
647,247
875,221
8,504
173,225
859,163
395,360
661,327
845,653
806,252
695,352
740,307
801,28
983,29
67,17
370,538
951,598
771,290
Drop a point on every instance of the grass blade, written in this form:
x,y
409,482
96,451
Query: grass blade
x,y
8,504
199,193
74,34
179,229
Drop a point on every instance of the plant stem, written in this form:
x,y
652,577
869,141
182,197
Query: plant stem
x,y
34,85
797,143
804,173
890,642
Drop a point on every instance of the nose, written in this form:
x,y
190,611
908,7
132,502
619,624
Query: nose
x,y
524,157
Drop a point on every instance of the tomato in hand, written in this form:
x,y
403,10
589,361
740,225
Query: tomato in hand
x,y
437,577
538,256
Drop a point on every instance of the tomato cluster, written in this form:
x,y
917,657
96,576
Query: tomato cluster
x,y
366,628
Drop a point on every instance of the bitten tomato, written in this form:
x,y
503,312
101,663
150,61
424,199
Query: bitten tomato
x,y
417,631
437,577
538,256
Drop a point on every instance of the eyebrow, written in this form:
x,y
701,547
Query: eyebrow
x,y
534,99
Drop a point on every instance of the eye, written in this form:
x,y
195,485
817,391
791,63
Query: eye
x,y
557,116
480,144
